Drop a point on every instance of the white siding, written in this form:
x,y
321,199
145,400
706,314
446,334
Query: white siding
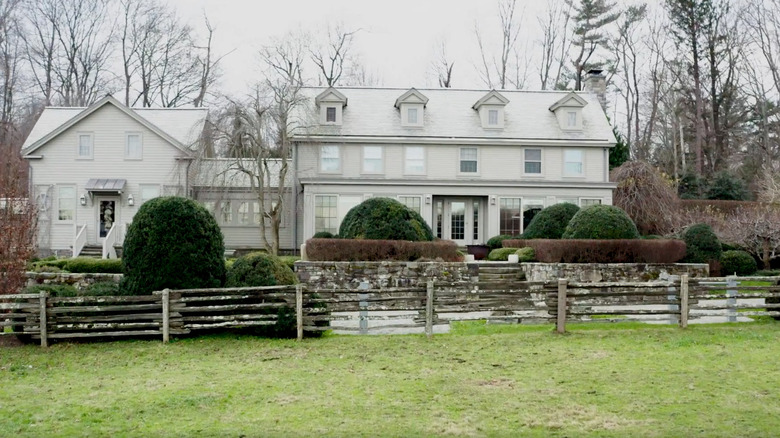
x,y
60,166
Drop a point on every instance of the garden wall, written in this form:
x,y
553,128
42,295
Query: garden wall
x,y
599,272
79,281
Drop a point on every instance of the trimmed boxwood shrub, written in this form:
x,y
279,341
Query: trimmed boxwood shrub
x,y
384,219
173,243
550,223
54,290
93,266
603,251
501,254
259,269
526,255
601,222
345,250
739,262
495,241
702,243
323,235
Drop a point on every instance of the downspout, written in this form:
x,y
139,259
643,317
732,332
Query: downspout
x,y
294,207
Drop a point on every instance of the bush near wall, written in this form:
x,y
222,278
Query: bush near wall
x,y
347,250
737,262
603,251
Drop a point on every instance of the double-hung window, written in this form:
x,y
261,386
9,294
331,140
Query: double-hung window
x,y
411,116
414,203
510,222
85,146
330,114
532,161
468,160
66,203
326,214
133,146
493,117
414,161
330,159
572,162
372,159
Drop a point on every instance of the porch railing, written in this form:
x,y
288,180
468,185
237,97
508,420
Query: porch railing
x,y
79,239
108,244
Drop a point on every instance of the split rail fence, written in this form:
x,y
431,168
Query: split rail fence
x,y
365,310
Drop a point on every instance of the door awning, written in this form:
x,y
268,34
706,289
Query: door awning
x,y
103,185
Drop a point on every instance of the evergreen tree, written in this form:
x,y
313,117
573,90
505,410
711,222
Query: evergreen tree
x,y
590,18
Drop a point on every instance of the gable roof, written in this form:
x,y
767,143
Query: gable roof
x,y
492,98
411,96
178,126
331,95
450,119
571,100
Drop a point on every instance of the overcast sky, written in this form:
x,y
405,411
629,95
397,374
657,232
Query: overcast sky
x,y
396,43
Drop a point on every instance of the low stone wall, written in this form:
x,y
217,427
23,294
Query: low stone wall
x,y
599,272
79,281
349,275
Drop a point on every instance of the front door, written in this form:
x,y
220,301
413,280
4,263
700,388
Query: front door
x,y
460,220
106,216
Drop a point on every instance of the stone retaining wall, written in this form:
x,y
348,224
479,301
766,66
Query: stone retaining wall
x,y
598,272
349,275
79,281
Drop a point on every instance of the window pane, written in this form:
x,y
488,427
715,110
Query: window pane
x,y
572,118
439,215
330,114
244,213
67,203
468,154
531,167
587,202
572,162
509,214
329,159
493,117
533,155
468,166
412,202
468,160
475,211
573,168
415,160
457,220
412,115
85,145
372,159
325,214
133,148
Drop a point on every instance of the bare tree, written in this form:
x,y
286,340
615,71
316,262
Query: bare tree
x,y
755,228
442,66
644,194
501,66
333,56
555,43
631,61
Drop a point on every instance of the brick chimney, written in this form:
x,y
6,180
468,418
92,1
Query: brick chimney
x,y
595,82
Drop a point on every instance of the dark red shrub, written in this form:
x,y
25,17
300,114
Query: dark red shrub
x,y
603,251
345,250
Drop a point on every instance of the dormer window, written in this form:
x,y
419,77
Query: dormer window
x,y
331,105
491,110
412,107
568,111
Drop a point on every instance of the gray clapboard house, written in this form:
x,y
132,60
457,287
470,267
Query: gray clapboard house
x,y
473,163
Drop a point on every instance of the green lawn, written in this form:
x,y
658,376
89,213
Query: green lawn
x,y
600,380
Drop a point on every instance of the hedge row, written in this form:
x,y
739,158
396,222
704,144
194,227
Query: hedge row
x,y
603,251
344,250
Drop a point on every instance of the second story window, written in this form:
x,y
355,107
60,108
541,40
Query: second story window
x,y
414,161
571,119
85,146
412,116
133,147
468,160
572,162
330,159
532,161
372,159
330,114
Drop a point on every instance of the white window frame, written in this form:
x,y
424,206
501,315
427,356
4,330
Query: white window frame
x,y
419,110
567,160
143,187
540,161
571,119
140,154
461,160
328,109
365,161
408,161
73,200
91,138
335,208
245,213
584,200
419,198
336,158
412,115
492,117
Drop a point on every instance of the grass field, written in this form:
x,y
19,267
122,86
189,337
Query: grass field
x,y
599,380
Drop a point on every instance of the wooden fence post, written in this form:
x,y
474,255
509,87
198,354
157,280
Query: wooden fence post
x,y
684,301
299,310
43,324
561,324
429,309
166,315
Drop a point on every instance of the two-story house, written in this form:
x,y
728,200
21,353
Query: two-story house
x,y
91,168
473,163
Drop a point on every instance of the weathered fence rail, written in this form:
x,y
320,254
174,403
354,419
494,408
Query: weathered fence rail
x,y
365,310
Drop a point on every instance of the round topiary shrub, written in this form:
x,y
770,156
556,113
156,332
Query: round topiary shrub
x,y
384,219
173,243
601,222
550,223
259,269
497,241
702,244
323,235
737,262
